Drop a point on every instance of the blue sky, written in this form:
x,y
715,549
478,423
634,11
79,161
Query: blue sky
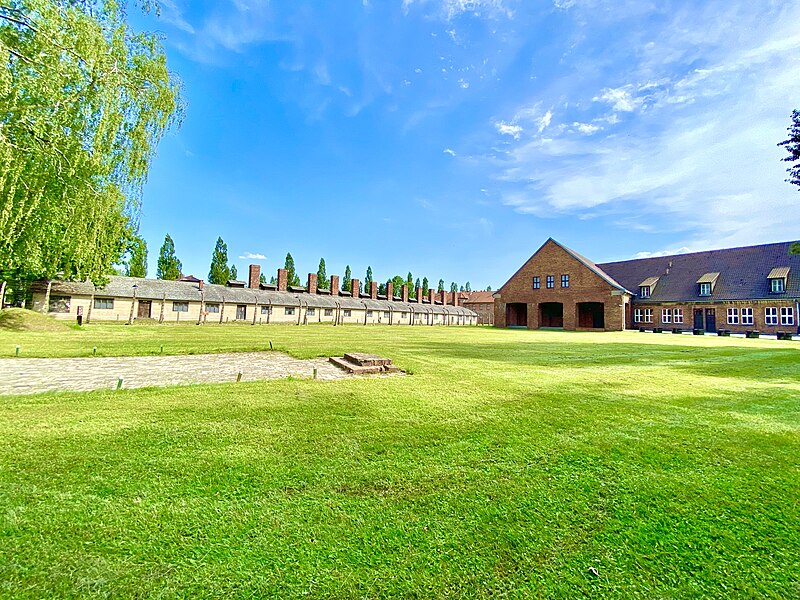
x,y
452,137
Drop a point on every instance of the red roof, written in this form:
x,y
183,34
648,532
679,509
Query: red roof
x,y
477,297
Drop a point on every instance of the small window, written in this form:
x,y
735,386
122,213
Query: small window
x,y
648,315
637,315
777,286
328,312
289,310
787,315
104,303
347,312
771,315
59,304
180,307
386,314
212,308
311,311
265,310
677,315
644,291
402,315
705,289
666,315
565,281
369,313
747,316
537,283
733,316
551,282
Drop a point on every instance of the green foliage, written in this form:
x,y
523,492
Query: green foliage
x,y
454,287
368,279
398,283
262,279
168,266
467,287
220,272
137,263
84,101
792,145
440,287
322,276
347,283
488,288
273,280
382,289
291,274
234,273
425,286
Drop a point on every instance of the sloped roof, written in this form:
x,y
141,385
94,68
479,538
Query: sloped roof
x,y
477,297
778,273
649,282
743,273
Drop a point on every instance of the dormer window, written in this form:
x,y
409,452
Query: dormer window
x,y
777,279
707,283
647,286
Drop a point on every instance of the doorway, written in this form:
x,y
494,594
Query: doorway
x,y
551,314
241,312
711,320
517,315
144,309
591,315
698,318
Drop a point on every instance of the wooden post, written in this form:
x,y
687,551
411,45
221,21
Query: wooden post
x,y
91,306
222,310
2,295
163,301
46,305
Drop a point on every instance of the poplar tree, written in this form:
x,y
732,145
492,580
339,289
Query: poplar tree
x,y
262,279
137,263
467,287
220,272
425,286
792,145
440,288
168,266
416,285
84,101
397,283
347,284
368,279
291,275
234,273
454,287
322,275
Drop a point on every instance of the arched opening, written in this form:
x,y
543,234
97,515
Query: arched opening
x,y
551,314
516,314
591,315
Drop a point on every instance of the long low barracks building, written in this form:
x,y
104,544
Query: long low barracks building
x,y
752,288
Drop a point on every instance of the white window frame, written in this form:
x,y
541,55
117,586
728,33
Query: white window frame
x,y
288,310
777,286
180,307
666,316
787,315
328,312
212,307
677,315
648,315
311,311
747,316
347,312
644,291
705,289
109,302
637,315
265,310
771,315
733,316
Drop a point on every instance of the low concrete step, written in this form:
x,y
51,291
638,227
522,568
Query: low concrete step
x,y
367,360
355,369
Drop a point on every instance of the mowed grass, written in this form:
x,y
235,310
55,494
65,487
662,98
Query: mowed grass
x,y
508,464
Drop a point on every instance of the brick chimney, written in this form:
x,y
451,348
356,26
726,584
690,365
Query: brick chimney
x,y
200,285
432,296
404,293
255,276
456,299
443,297
312,283
419,295
373,290
334,285
354,284
283,276
390,291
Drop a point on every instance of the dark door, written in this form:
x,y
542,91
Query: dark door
x,y
711,320
698,318
144,309
241,312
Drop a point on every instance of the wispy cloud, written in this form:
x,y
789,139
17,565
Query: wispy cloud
x,y
449,151
253,256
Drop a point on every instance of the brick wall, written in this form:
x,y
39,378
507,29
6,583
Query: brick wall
x,y
720,311
584,286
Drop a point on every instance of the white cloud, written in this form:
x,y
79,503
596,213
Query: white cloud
x,y
586,128
451,9
253,256
657,253
173,14
620,99
509,129
544,120
449,151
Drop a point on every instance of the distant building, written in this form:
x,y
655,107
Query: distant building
x,y
739,289
481,303
126,299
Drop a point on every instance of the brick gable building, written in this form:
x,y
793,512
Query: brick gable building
x,y
740,289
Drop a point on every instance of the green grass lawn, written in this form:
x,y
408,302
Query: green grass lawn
x,y
508,464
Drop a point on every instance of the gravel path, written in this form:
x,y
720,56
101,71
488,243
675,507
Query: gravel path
x,y
33,375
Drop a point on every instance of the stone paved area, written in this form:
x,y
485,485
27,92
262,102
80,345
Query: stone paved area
x,y
32,375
